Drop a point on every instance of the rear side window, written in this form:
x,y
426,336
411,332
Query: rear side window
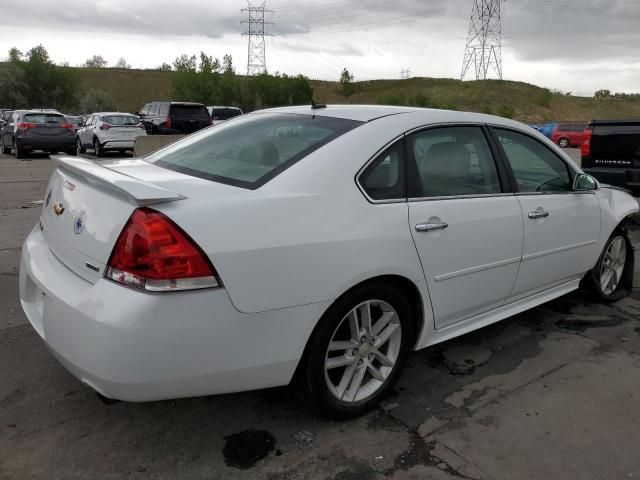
x,y
120,119
451,161
384,179
43,118
198,112
250,151
535,167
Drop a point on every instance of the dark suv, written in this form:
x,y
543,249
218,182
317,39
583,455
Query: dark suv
x,y
28,130
611,152
174,117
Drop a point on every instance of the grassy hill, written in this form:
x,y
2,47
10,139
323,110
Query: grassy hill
x,y
529,103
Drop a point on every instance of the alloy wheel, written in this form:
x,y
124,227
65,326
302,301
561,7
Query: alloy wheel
x,y
613,264
363,351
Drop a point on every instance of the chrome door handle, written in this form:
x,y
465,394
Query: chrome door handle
x,y
538,214
430,227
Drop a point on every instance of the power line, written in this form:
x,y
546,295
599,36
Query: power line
x,y
405,74
483,50
256,55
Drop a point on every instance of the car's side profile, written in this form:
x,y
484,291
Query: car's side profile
x,y
109,131
314,244
567,135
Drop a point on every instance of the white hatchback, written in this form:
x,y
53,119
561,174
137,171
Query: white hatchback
x,y
109,131
315,244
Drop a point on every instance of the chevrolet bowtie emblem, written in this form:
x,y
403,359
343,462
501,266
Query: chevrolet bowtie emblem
x,y
58,208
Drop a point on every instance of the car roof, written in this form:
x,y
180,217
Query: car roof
x,y
48,112
630,121
422,116
112,113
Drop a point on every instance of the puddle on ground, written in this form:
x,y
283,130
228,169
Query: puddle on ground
x,y
581,324
242,450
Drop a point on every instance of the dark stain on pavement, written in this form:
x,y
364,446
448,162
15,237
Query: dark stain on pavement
x,y
581,324
242,450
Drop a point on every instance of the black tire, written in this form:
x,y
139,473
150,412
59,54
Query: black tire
x,y
4,150
18,151
564,142
310,377
593,279
97,148
79,147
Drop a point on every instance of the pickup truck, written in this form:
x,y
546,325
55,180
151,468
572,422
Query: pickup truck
x,y
611,152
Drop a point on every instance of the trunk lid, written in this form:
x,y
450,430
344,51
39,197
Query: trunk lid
x,y
615,144
87,205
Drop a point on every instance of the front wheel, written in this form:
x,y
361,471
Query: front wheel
x,y
357,351
563,142
612,277
3,148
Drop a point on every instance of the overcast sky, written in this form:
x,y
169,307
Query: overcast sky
x,y
571,45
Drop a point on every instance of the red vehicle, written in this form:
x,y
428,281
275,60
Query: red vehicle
x,y
568,134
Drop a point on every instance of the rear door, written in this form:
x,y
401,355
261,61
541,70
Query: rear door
x,y
561,227
466,225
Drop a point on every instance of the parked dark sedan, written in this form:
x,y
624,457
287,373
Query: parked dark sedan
x,y
28,130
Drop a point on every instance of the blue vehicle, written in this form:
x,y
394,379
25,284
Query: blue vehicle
x,y
547,129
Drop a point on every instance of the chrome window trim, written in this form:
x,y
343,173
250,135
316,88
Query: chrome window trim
x,y
563,192
461,197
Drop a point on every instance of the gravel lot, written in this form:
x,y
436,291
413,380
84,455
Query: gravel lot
x,y
552,393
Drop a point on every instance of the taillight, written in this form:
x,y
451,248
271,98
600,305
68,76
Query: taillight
x,y
68,126
105,126
167,122
140,125
585,150
24,126
210,121
155,254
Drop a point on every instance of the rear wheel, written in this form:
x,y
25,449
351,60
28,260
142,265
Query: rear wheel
x,y
357,352
79,147
563,142
18,151
4,150
97,148
612,276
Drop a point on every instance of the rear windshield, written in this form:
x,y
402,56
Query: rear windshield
x,y
250,151
120,120
190,111
43,118
224,113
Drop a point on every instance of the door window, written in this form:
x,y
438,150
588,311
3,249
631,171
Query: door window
x,y
535,167
384,178
145,109
451,161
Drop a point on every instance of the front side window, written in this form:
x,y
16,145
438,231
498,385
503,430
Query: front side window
x,y
451,161
251,150
535,167
384,177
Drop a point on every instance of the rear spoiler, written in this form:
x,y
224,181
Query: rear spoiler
x,y
141,192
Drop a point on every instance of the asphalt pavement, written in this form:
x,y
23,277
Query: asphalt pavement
x,y
551,393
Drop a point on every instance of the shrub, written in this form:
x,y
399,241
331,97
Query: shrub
x,y
98,101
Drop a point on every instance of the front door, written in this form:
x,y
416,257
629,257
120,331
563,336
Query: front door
x,y
466,227
561,227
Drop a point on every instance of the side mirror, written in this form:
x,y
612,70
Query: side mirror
x,y
584,183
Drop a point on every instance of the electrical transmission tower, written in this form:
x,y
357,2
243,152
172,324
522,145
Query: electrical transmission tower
x,y
405,74
256,59
483,51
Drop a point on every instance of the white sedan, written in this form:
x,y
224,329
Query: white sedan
x,y
319,245
107,131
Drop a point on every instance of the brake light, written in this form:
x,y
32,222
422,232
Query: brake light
x,y
24,126
140,125
585,150
68,126
155,254
105,126
210,121
167,122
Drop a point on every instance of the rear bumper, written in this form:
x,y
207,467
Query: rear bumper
x,y
137,346
118,144
47,143
620,177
